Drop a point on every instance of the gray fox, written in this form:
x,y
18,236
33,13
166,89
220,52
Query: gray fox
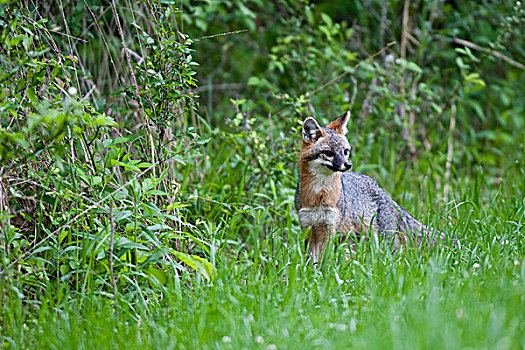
x,y
329,199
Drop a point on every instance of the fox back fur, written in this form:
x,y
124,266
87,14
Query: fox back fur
x,y
329,199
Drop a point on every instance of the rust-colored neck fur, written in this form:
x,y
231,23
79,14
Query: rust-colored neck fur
x,y
317,190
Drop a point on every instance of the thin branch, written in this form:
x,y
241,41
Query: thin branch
x,y
382,25
408,132
365,105
68,35
95,21
354,91
133,77
489,51
4,208
139,58
126,52
412,39
450,150
111,242
220,34
405,29
231,86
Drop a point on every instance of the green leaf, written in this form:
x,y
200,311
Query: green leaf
x,y
123,242
176,205
159,227
95,180
122,215
157,274
409,65
157,193
326,19
125,165
198,264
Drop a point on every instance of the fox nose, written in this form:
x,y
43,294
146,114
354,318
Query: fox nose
x,y
347,165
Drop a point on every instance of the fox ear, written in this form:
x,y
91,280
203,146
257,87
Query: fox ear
x,y
339,125
311,130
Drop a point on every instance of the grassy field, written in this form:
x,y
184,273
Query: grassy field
x,y
148,164
267,295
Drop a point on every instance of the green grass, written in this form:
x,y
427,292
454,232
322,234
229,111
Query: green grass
x,y
267,295
219,195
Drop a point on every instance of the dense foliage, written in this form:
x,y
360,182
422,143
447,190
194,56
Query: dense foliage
x,y
148,157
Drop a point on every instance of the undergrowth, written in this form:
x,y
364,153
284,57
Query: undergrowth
x,y
148,167
270,296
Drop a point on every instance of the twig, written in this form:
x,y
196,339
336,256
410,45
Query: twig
x,y
89,93
68,35
365,105
450,150
231,86
382,26
354,91
139,58
95,21
181,17
405,29
133,77
489,51
311,108
412,39
126,51
407,125
220,34
111,242
4,208
34,183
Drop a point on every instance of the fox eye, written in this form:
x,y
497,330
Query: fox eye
x,y
329,153
346,152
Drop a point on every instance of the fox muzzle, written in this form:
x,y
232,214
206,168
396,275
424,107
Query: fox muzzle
x,y
340,165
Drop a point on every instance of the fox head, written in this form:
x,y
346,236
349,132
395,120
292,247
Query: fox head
x,y
326,149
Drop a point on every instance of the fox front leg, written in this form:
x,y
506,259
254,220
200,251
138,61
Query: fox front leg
x,y
314,248
319,240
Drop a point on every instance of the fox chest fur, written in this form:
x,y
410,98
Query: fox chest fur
x,y
319,194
